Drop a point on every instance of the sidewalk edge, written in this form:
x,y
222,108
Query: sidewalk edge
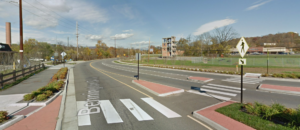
x,y
9,123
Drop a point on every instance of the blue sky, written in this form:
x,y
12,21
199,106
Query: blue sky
x,y
137,21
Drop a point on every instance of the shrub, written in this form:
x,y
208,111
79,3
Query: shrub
x,y
48,93
36,93
42,89
50,88
41,97
57,87
274,75
3,116
28,97
283,75
278,107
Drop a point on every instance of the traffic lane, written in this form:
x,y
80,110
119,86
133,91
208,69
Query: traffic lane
x,y
282,83
114,91
141,71
192,73
251,94
290,101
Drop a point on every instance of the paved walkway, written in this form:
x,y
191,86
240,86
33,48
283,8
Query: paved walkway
x,y
45,119
221,119
31,84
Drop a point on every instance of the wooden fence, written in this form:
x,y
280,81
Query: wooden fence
x,y
15,76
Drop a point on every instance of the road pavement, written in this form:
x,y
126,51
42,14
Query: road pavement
x,y
124,105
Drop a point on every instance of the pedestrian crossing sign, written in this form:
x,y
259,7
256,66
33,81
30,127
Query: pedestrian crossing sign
x,y
242,47
242,61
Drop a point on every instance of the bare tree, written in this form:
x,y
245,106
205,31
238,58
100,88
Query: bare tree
x,y
223,35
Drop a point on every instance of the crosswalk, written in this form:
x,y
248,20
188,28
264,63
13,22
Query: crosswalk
x,y
245,80
112,116
221,92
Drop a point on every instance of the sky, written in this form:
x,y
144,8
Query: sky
x,y
135,22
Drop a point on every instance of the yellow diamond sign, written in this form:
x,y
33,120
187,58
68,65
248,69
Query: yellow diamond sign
x,y
242,47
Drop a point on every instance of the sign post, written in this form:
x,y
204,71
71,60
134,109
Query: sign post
x,y
137,57
62,56
242,47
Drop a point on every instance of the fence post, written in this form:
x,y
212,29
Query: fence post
x,y
23,72
14,75
43,65
1,79
30,68
34,68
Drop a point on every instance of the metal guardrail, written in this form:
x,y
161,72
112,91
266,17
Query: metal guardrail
x,y
15,76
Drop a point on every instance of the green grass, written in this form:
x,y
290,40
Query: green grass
x,y
6,86
234,111
230,62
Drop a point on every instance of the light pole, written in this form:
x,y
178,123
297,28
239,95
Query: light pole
x,y
21,33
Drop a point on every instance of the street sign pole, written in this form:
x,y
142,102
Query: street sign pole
x,y
242,84
242,47
138,66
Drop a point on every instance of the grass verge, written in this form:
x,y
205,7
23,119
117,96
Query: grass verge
x,y
6,86
257,122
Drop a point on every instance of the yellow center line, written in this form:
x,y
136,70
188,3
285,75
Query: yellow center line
x,y
119,80
199,122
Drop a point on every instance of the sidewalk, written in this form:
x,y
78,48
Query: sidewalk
x,y
45,119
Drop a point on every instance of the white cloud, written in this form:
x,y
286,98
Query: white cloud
x,y
257,5
40,23
121,36
141,42
61,32
130,30
213,25
94,37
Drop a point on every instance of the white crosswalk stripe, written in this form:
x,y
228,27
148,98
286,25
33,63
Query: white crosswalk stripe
x,y
161,108
217,91
139,113
245,80
112,116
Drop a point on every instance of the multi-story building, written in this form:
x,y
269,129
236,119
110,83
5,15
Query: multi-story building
x,y
169,46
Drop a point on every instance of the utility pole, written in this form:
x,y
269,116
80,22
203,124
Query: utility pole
x,y
77,38
21,33
115,48
149,51
68,41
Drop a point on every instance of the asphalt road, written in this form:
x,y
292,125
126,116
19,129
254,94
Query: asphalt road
x,y
106,81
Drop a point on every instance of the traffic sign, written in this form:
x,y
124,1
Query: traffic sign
x,y
242,47
151,50
63,54
242,61
55,54
138,56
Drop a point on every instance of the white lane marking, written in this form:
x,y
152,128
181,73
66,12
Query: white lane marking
x,y
83,120
223,86
223,93
240,82
139,113
110,112
213,87
161,108
209,95
245,79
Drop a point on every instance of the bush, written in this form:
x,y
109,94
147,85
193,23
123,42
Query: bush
x,y
3,116
50,88
283,75
57,87
36,93
41,97
42,89
274,75
28,97
48,93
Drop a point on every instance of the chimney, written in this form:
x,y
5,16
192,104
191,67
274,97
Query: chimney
x,y
8,33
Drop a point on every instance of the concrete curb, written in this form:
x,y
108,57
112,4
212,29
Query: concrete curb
x,y
62,106
11,122
278,91
208,121
155,93
264,78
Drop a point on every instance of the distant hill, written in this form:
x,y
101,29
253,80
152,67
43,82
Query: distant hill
x,y
289,39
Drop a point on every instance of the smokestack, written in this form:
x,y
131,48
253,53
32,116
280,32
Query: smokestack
x,y
8,33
